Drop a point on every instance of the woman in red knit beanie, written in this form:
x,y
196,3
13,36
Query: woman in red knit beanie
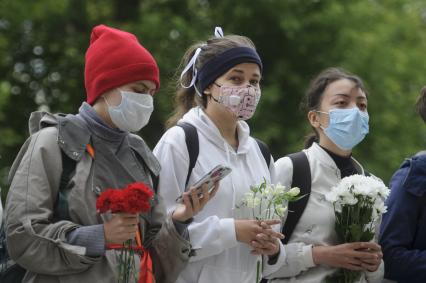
x,y
53,230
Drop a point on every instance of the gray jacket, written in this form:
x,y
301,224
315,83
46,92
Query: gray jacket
x,y
39,244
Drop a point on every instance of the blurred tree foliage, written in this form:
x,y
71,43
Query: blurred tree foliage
x,y
42,47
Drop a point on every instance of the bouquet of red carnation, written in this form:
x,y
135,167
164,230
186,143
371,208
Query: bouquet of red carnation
x,y
135,198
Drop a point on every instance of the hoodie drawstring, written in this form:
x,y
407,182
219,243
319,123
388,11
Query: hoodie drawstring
x,y
228,160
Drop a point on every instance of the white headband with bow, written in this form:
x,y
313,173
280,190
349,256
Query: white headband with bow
x,y
218,32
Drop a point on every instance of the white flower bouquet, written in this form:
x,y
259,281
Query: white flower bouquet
x,y
265,202
358,205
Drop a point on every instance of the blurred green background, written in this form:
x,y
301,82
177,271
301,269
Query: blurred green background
x,y
43,42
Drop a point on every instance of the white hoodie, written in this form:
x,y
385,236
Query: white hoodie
x,y
219,257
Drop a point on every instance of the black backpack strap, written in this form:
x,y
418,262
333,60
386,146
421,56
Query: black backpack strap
x,y
155,181
61,211
301,179
154,178
192,144
264,149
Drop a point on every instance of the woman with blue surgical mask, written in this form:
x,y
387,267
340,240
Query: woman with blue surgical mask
x,y
336,104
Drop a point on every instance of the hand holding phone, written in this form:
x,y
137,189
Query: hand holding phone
x,y
217,173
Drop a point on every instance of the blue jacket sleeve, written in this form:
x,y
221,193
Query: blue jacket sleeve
x,y
399,229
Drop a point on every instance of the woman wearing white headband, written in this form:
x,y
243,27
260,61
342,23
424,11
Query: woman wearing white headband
x,y
218,89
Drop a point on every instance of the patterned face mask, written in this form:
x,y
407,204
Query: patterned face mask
x,y
240,100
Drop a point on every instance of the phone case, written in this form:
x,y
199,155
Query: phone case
x,y
217,173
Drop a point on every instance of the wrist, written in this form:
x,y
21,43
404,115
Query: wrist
x,y
186,222
317,252
237,234
272,259
106,238
179,218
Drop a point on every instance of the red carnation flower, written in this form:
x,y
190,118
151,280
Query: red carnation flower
x,y
135,198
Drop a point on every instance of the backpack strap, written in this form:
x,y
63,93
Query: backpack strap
x,y
301,179
192,144
61,211
264,149
154,178
155,181
193,147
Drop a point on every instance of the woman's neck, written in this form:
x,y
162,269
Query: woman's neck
x,y
326,143
102,110
227,127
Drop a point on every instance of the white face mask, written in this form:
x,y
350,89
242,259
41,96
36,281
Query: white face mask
x,y
134,111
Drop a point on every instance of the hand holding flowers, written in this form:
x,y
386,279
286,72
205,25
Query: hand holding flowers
x,y
266,203
247,230
121,227
358,256
358,203
266,242
125,205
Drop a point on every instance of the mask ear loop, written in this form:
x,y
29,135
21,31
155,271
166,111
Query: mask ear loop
x,y
106,101
322,112
120,91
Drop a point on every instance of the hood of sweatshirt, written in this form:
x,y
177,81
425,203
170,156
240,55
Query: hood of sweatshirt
x,y
197,117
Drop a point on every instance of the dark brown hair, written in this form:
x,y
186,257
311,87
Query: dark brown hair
x,y
186,98
315,91
421,104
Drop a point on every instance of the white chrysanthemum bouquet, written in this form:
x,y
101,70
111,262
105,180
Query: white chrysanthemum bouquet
x,y
265,202
358,205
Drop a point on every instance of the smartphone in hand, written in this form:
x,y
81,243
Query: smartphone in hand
x,y
217,173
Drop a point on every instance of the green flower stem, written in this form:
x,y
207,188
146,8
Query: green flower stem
x,y
258,272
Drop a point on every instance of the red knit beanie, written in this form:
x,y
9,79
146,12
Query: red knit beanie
x,y
115,58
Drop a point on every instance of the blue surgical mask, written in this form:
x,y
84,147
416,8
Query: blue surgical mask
x,y
346,127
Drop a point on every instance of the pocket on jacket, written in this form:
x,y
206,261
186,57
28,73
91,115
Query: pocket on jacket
x,y
211,273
